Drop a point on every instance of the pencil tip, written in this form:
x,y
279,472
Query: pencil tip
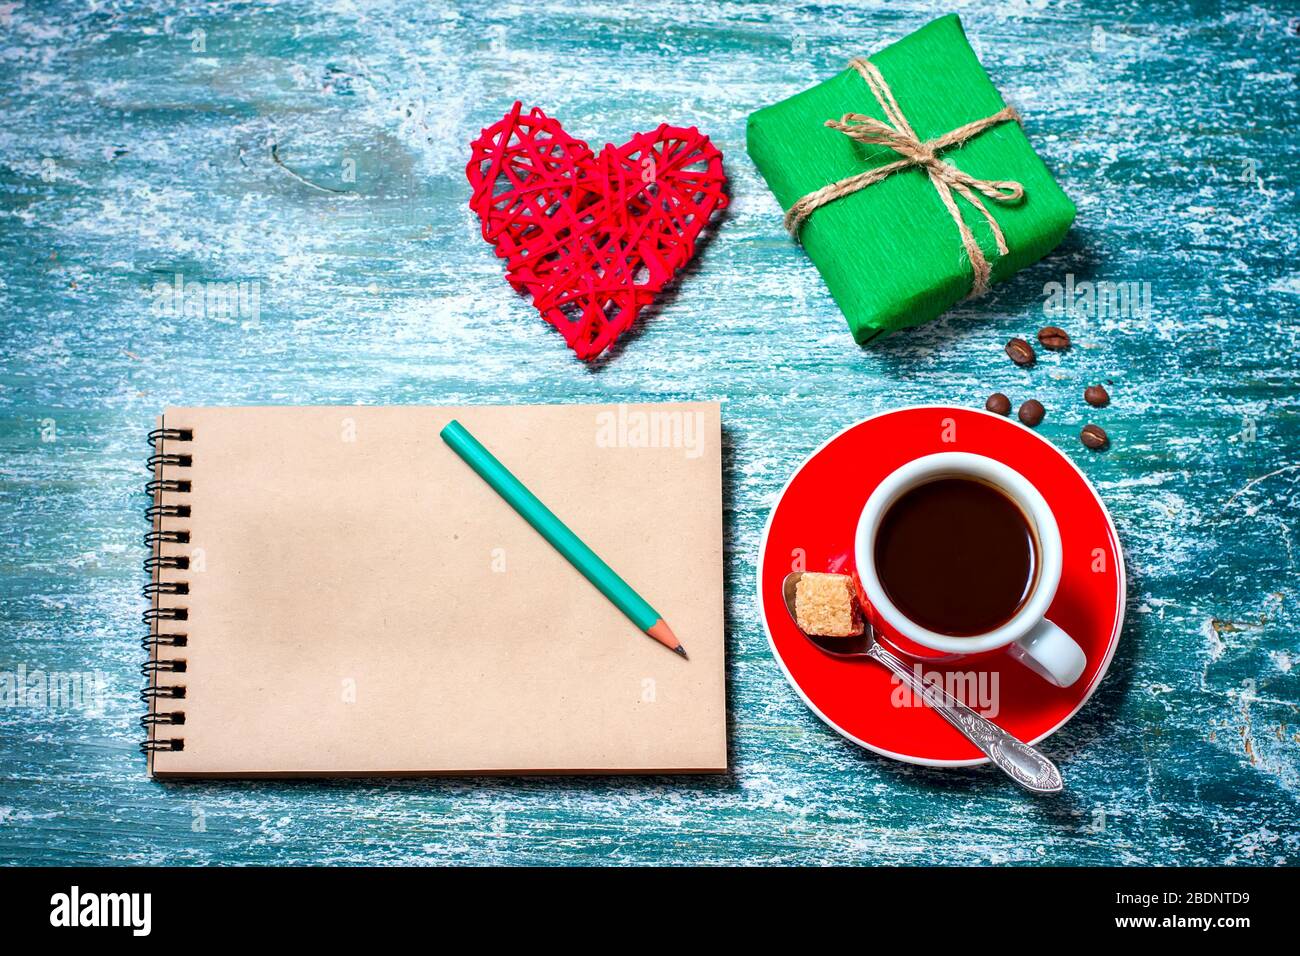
x,y
662,633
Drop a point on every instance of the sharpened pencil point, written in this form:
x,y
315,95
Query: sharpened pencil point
x,y
662,633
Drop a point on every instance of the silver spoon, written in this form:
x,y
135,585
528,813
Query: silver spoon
x,y
1019,761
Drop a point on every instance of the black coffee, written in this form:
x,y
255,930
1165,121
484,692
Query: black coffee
x,y
956,556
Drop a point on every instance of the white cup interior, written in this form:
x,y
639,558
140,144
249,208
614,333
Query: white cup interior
x,y
1018,489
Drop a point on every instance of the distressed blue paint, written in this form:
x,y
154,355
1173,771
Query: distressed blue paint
x,y
128,157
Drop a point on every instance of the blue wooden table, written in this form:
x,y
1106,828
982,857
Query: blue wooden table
x,y
315,154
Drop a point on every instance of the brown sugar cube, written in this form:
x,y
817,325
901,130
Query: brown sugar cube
x,y
824,605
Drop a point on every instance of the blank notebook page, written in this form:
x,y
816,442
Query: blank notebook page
x,y
360,602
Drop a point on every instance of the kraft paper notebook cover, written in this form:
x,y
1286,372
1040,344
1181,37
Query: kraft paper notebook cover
x,y
336,593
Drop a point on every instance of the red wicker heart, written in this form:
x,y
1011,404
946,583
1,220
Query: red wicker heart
x,y
592,238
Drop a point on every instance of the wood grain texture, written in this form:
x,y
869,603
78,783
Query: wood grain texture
x,y
130,155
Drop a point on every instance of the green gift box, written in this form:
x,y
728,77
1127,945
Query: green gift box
x,y
891,252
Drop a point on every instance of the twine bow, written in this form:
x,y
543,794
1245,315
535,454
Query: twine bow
x,y
899,136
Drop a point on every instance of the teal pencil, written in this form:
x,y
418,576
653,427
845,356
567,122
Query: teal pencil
x,y
555,531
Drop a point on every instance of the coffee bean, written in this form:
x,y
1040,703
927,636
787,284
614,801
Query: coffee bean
x,y
1031,413
1021,352
1094,436
1096,395
998,404
1054,337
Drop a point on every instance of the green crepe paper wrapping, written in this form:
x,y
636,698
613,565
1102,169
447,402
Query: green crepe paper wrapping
x,y
891,253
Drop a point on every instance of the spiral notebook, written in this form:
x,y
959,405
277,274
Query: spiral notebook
x,y
334,592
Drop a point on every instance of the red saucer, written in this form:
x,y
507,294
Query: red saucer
x,y
814,522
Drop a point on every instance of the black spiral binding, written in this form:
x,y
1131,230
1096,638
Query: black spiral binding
x,y
158,670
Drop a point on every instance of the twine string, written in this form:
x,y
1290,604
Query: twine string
x,y
897,134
